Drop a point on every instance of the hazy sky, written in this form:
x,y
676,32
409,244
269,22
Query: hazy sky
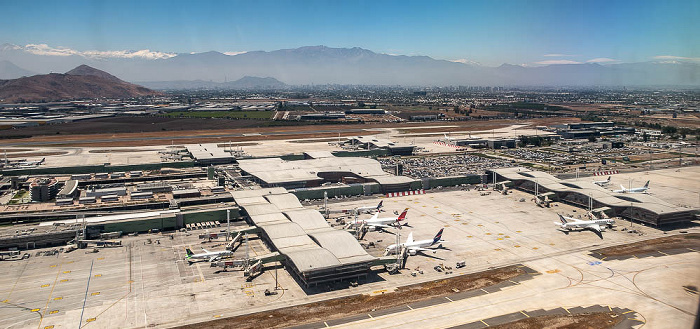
x,y
488,32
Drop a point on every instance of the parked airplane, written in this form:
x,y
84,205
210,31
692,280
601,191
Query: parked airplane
x,y
375,222
210,256
415,246
595,224
377,208
633,190
603,182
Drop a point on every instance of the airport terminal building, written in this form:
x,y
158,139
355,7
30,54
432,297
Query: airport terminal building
x,y
636,206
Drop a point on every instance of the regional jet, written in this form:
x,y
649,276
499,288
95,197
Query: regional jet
x,y
414,247
602,182
596,225
642,189
210,256
375,222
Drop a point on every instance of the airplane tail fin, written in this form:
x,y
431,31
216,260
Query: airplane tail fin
x,y
647,184
622,188
438,236
189,252
562,219
609,177
402,216
380,205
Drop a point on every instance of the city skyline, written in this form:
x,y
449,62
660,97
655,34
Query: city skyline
x,y
475,32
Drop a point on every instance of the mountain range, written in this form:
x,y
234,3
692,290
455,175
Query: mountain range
x,y
325,65
82,82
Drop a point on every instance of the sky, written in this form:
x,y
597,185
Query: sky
x,y
487,32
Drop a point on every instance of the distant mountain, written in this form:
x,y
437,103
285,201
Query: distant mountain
x,y
244,83
83,82
248,82
12,71
324,65
85,70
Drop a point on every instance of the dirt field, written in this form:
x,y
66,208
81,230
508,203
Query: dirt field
x,y
666,243
578,321
347,306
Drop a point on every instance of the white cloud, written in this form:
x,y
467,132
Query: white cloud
x,y
46,50
234,53
669,57
557,55
602,60
465,61
557,61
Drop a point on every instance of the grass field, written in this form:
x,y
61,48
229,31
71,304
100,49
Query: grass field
x,y
258,115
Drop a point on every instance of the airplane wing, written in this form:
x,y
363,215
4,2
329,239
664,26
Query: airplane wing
x,y
573,219
213,258
595,227
379,225
419,249
410,238
205,250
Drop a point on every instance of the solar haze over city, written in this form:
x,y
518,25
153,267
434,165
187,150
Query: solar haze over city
x,y
357,164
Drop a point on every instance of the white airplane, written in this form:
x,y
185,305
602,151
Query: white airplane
x,y
415,246
378,208
596,225
602,182
375,222
210,256
634,189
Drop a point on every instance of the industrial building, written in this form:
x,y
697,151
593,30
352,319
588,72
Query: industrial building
x,y
275,172
315,252
636,206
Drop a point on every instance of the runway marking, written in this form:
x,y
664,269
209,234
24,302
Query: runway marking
x,y
64,280
53,312
66,272
482,321
53,265
370,316
513,282
448,298
627,312
98,275
484,291
101,258
217,316
327,326
499,239
409,306
58,298
95,293
516,246
635,319
609,308
566,309
45,285
35,310
49,327
523,312
663,253
90,319
635,256
691,249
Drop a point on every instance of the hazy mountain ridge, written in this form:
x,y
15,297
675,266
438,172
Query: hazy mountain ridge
x,y
246,82
8,70
325,65
82,82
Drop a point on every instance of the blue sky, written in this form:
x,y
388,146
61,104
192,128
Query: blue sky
x,y
488,32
